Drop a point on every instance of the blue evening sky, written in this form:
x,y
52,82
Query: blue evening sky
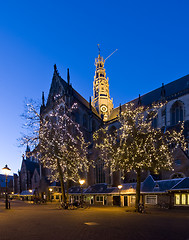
x,y
152,38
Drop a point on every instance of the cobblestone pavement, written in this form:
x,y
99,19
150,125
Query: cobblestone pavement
x,y
28,221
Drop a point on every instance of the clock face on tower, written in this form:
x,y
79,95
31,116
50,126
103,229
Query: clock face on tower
x,y
103,108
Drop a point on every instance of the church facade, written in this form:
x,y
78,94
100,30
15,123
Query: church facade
x,y
99,111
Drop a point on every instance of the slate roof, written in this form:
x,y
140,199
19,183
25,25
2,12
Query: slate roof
x,y
150,185
27,193
55,184
99,188
182,185
58,80
173,90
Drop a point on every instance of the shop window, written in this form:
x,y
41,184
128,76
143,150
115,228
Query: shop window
x,y
151,199
183,199
177,199
99,198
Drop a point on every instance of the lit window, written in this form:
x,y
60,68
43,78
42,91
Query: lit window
x,y
183,199
188,198
177,199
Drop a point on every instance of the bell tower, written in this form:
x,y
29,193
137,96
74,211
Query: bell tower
x,y
101,96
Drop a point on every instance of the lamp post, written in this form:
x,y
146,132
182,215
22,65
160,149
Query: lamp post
x,y
50,190
81,181
6,171
120,187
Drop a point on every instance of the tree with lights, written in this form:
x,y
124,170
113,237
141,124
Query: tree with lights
x,y
61,144
141,147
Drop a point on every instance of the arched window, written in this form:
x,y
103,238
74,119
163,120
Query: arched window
x,y
177,112
154,122
100,173
177,175
93,126
85,121
77,117
112,130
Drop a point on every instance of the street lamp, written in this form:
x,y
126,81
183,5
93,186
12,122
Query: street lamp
x,y
50,190
81,181
6,171
120,187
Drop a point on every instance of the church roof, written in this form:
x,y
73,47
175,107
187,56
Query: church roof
x,y
172,90
59,85
31,166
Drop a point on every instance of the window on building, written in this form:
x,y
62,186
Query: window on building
x,y
177,199
151,199
181,199
93,126
85,121
178,162
154,122
177,112
177,175
100,173
99,198
77,117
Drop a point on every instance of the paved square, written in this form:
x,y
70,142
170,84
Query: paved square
x,y
28,221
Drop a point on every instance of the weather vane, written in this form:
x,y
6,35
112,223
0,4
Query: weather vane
x,y
98,48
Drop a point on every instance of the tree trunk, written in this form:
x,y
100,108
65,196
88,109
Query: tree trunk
x,y
138,189
61,181
67,195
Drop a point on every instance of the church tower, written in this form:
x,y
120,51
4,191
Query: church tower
x,y
101,96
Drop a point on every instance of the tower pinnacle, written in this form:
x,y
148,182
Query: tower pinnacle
x,y
101,96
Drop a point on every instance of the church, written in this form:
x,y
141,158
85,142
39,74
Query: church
x,y
99,111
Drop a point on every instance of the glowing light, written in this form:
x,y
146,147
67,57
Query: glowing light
x,y
81,181
6,170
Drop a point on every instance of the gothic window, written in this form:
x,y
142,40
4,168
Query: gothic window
x,y
77,117
154,122
177,175
93,126
61,110
100,173
85,121
177,112
178,162
112,130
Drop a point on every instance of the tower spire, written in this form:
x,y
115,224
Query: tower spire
x,y
101,96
